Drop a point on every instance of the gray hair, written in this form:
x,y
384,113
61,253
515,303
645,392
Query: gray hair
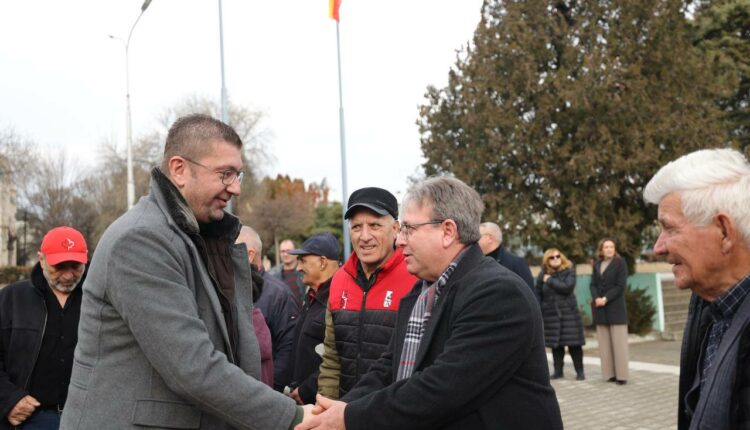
x,y
250,238
708,181
450,198
493,230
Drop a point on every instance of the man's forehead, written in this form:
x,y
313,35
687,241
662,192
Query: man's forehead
x,y
68,263
670,206
367,215
415,210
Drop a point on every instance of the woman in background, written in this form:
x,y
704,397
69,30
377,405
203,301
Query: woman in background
x,y
555,288
608,283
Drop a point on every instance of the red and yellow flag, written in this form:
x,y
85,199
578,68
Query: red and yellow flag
x,y
333,9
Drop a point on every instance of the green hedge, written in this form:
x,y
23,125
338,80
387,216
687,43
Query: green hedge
x,y
640,311
10,274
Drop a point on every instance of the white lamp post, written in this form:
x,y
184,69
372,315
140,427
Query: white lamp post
x,y
128,120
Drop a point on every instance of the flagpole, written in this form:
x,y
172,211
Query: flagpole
x,y
342,140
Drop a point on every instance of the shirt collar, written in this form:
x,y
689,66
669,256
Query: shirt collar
x,y
726,305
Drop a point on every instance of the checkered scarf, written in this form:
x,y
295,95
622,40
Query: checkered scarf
x,y
419,317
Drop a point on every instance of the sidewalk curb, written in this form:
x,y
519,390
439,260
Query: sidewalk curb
x,y
633,365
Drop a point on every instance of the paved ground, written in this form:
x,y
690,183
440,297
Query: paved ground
x,y
647,401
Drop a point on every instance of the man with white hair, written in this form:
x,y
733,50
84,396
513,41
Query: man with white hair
x,y
491,242
704,213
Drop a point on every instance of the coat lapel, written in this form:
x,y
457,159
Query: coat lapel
x,y
470,260
728,342
183,221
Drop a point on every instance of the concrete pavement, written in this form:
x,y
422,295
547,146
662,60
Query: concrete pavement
x,y
647,401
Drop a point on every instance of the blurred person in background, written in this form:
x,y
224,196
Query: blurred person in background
x,y
555,288
318,260
609,280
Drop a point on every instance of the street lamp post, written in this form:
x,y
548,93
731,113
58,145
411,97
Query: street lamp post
x,y
224,104
128,120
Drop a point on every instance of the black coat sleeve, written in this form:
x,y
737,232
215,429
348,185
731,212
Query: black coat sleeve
x,y
563,282
284,322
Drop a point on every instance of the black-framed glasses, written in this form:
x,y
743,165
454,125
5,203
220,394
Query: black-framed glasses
x,y
227,176
406,230
555,257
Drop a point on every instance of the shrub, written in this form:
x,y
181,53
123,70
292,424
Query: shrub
x,y
640,310
10,274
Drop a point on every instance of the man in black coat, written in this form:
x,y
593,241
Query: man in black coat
x,y
704,209
491,242
280,310
39,320
467,351
318,260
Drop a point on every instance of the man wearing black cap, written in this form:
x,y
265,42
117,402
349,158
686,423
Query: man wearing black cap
x,y
318,260
365,293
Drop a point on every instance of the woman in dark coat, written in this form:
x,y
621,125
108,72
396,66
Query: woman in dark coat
x,y
555,288
608,282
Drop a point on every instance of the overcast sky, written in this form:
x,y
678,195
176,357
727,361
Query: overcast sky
x,y
62,80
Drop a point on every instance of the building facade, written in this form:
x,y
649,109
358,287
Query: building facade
x,y
8,231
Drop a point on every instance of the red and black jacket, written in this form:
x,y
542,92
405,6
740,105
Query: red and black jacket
x,y
364,313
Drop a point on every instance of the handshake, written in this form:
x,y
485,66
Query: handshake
x,y
325,414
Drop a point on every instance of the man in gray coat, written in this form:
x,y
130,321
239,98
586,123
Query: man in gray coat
x,y
165,335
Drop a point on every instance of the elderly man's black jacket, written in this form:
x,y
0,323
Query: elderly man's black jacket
x,y
481,362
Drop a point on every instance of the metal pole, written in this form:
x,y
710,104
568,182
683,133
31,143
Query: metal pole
x,y
224,107
342,140
128,119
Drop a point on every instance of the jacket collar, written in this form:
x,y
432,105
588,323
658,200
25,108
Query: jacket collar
x,y
38,279
393,261
174,204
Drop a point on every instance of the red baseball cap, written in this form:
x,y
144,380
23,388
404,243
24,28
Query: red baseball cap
x,y
64,244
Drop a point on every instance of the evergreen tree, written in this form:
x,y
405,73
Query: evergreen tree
x,y
722,31
559,112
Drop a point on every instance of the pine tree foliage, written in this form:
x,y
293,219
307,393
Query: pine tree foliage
x,y
722,31
559,112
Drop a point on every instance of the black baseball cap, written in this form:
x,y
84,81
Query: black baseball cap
x,y
376,199
323,244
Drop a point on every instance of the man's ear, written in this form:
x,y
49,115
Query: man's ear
x,y
730,235
251,255
450,232
178,171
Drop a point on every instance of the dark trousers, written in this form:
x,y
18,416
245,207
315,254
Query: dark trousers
x,y
576,353
43,419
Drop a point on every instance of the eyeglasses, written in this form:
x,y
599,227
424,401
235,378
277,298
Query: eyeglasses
x,y
227,176
406,230
555,257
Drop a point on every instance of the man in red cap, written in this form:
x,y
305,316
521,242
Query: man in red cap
x,y
36,351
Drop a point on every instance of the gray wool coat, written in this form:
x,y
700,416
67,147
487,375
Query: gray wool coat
x,y
153,347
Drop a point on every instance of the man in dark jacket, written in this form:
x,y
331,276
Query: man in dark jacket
x,y
491,242
704,207
280,310
468,349
318,261
365,292
39,320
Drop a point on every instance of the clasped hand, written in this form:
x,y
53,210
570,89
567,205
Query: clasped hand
x,y
327,414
